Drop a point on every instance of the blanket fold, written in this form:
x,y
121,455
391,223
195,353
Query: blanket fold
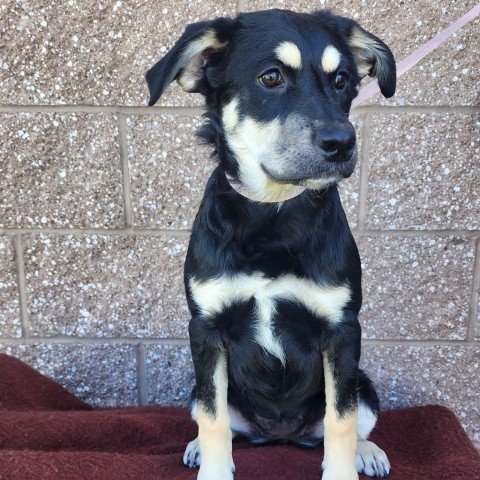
x,y
46,433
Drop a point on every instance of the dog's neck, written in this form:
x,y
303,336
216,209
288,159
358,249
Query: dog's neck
x,y
245,192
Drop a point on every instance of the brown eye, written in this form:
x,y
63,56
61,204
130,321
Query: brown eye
x,y
341,80
272,78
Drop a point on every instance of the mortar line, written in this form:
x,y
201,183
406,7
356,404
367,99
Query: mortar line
x,y
163,231
364,171
465,109
106,109
154,232
198,110
472,323
22,285
417,343
185,342
66,340
142,383
127,196
467,234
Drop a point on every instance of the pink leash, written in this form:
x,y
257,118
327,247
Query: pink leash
x,y
372,88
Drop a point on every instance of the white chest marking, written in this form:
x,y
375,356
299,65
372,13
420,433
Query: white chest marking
x,y
216,294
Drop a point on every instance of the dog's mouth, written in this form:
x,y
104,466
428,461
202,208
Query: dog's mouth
x,y
309,174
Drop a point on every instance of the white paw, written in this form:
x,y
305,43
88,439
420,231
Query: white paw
x,y
191,457
338,472
371,460
216,471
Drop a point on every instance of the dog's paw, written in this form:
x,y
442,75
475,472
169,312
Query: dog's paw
x,y
191,457
216,471
338,472
371,460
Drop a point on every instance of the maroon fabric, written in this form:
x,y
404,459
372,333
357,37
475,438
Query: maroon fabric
x,y
46,433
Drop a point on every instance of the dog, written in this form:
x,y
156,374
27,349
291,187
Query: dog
x,y
272,272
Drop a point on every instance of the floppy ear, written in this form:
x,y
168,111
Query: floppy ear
x,y
185,62
373,58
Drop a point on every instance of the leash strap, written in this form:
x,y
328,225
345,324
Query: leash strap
x,y
405,65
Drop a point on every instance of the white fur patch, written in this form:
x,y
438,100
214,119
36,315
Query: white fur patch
x,y
214,295
253,142
214,433
366,421
365,50
340,439
230,115
330,59
289,54
193,59
238,423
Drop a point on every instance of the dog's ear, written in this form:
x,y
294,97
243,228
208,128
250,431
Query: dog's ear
x,y
373,58
185,62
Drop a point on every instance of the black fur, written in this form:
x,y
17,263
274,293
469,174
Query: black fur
x,y
233,235
307,237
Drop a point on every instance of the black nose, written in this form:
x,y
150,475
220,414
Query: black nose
x,y
336,144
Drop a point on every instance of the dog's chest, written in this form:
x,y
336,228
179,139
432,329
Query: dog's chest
x,y
214,296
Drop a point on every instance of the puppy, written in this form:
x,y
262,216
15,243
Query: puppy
x,y
272,273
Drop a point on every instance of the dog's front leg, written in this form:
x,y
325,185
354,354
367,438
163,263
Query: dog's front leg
x,y
210,409
341,414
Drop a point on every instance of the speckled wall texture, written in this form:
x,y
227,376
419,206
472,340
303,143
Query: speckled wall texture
x,y
98,192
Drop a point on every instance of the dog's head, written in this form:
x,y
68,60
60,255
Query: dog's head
x,y
278,88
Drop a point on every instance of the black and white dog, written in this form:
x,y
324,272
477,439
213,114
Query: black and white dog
x,y
272,274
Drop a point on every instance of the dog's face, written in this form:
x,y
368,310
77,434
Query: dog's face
x,y
278,86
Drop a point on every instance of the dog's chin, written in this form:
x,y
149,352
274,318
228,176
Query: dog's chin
x,y
330,177
319,183
330,174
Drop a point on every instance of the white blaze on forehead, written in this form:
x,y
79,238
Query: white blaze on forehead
x,y
289,54
330,59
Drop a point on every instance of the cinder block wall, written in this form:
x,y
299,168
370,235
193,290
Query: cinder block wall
x,y
98,192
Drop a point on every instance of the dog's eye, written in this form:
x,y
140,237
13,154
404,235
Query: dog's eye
x,y
341,80
272,78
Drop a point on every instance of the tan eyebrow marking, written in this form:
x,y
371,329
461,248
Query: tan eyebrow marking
x,y
330,59
289,54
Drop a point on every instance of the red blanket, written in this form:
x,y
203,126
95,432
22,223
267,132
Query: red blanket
x,y
46,433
